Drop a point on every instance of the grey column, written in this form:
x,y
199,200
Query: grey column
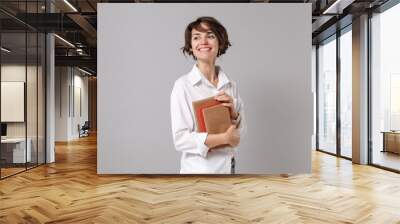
x,y
50,91
360,90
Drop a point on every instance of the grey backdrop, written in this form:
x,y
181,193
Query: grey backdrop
x,y
139,59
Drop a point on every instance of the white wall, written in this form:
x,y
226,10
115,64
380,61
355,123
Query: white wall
x,y
12,73
79,117
314,92
12,101
62,80
15,72
138,63
67,116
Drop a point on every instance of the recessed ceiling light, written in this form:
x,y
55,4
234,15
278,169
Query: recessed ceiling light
x,y
5,50
337,7
64,40
84,71
70,5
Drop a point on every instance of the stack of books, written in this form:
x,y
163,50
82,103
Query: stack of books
x,y
211,116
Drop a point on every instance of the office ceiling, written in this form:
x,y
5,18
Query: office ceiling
x,y
76,22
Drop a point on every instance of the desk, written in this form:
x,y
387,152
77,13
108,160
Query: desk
x,y
391,141
13,150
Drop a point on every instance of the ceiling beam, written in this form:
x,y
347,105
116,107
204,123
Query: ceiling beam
x,y
83,23
84,61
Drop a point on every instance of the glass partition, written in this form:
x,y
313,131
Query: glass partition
x,y
22,77
32,95
13,109
41,87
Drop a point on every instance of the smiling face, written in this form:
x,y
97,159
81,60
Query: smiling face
x,y
204,44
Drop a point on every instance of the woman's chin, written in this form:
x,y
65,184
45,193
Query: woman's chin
x,y
206,59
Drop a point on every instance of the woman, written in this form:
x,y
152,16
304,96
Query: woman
x,y
205,40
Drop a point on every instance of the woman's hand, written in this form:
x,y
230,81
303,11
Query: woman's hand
x,y
227,101
232,136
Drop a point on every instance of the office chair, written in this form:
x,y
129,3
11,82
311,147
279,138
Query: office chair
x,y
84,130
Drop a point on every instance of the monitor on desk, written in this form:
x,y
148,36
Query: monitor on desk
x,y
3,130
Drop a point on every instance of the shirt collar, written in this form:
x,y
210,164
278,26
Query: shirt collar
x,y
196,76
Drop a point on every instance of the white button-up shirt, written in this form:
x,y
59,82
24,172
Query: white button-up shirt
x,y
195,155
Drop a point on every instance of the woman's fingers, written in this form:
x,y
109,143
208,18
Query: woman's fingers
x,y
224,98
235,123
231,128
227,101
230,105
221,93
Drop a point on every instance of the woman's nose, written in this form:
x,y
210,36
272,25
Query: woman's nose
x,y
203,40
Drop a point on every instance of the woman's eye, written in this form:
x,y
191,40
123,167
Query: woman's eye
x,y
211,36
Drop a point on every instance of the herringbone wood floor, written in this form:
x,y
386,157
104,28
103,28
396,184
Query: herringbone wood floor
x,y
70,191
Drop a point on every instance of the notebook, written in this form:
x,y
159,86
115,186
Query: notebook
x,y
217,119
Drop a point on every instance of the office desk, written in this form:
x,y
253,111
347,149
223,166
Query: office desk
x,y
391,141
13,150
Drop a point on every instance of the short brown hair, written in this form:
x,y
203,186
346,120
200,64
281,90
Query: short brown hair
x,y
215,27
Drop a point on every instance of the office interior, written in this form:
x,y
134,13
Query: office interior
x,y
48,82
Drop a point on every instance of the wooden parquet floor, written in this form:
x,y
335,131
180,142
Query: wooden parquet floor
x,y
70,191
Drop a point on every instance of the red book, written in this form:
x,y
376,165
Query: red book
x,y
211,116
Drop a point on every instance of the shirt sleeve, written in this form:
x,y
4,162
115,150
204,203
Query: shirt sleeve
x,y
185,138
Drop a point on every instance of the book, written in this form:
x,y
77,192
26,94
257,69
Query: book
x,y
211,116
217,119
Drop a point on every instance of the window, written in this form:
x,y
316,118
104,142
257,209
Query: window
x,y
346,93
385,88
327,96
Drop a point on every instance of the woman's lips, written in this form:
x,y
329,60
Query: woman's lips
x,y
204,49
